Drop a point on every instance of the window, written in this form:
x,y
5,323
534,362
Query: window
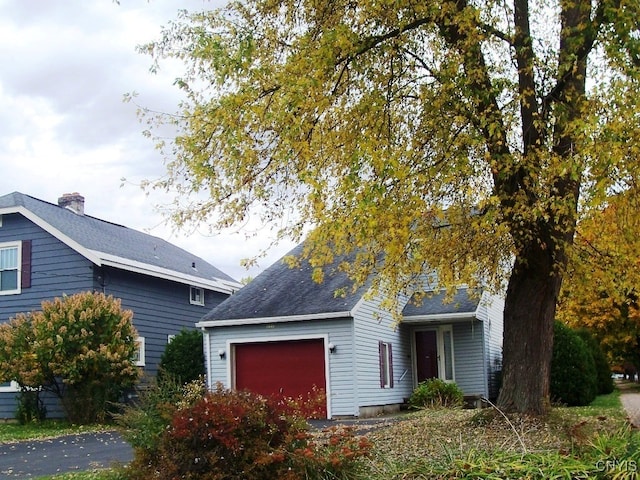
x,y
138,357
9,387
386,365
197,296
9,271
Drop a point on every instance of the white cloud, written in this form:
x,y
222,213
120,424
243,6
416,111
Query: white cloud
x,y
64,126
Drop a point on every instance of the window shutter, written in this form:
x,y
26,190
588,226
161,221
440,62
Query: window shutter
x,y
389,346
25,277
381,363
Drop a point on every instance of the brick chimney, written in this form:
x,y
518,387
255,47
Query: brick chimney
x,y
73,201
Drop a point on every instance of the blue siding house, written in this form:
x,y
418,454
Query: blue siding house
x,y
47,250
284,334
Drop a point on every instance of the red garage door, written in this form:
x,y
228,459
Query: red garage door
x,y
292,368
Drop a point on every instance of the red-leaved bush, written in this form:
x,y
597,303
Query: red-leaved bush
x,y
231,435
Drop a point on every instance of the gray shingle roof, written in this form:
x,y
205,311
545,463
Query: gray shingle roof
x,y
434,304
107,240
280,291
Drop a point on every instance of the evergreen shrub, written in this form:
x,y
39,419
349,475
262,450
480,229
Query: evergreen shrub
x,y
573,373
603,370
183,358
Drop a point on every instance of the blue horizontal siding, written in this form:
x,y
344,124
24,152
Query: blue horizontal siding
x,y
373,324
55,268
468,338
161,307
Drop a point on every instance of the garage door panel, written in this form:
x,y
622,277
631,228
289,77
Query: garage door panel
x,y
283,368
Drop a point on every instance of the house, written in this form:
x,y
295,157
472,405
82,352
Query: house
x,y
47,250
284,334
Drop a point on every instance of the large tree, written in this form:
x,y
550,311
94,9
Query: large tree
x,y
455,135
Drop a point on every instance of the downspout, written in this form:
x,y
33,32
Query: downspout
x,y
207,355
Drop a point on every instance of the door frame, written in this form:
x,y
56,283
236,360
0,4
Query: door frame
x,y
440,331
231,358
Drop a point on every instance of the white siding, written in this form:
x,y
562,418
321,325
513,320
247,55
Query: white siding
x,y
372,325
468,357
341,363
493,310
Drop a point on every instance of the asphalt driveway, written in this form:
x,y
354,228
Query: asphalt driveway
x,y
69,453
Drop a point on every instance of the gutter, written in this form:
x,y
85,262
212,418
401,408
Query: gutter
x,y
267,320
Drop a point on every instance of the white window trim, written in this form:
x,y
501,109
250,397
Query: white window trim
x,y
387,371
14,387
442,354
442,369
195,302
18,246
140,361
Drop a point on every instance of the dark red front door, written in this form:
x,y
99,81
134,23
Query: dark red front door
x,y
426,355
289,368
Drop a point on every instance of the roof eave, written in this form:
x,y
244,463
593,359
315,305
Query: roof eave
x,y
102,259
219,285
268,320
432,317
85,252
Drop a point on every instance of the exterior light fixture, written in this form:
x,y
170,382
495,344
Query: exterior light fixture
x,y
332,348
222,353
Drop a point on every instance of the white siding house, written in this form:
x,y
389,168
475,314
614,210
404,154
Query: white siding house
x,y
283,334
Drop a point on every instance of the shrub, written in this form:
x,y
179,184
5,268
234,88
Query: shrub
x,y
144,420
603,370
183,357
240,435
573,373
79,348
436,393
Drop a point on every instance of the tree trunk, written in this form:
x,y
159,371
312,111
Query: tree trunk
x,y
529,313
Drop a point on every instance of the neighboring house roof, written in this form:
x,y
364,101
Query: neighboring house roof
x,y
463,303
281,291
108,244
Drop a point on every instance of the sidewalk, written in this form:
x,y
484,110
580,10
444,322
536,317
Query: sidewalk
x,y
630,400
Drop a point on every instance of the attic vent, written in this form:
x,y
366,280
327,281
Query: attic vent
x,y
73,201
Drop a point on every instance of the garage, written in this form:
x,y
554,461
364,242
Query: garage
x,y
291,368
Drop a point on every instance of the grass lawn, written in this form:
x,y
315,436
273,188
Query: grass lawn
x,y
579,442
92,475
13,432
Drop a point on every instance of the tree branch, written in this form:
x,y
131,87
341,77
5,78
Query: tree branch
x,y
525,59
579,54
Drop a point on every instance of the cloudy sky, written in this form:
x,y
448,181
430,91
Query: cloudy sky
x,y
65,128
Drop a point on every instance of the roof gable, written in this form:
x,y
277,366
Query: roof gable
x,y
280,291
106,243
